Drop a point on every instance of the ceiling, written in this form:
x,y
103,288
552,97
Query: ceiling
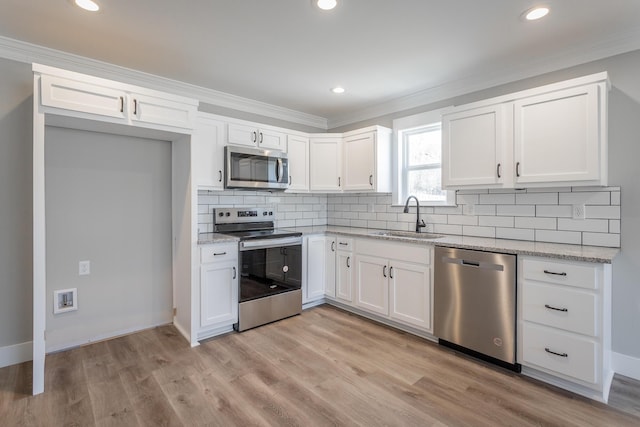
x,y
289,54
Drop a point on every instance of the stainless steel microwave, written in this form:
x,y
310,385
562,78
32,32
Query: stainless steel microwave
x,y
252,168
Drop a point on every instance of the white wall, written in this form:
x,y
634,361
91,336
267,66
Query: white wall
x,y
16,140
108,200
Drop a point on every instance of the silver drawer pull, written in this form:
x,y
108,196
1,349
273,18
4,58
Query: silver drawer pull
x,y
219,253
554,353
343,244
554,273
556,308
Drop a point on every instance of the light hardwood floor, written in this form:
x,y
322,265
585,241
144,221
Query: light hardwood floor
x,y
324,367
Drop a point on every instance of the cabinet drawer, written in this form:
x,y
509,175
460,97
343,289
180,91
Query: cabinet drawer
x,y
218,253
566,308
408,252
570,274
575,357
344,244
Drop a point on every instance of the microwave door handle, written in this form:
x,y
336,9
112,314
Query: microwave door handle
x,y
279,170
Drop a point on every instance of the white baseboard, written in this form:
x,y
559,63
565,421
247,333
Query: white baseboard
x,y
14,354
628,366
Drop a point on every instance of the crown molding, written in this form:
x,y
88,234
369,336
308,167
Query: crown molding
x,y
20,51
616,44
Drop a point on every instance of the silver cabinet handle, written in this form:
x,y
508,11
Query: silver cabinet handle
x,y
550,307
234,273
348,262
555,353
261,138
338,181
498,170
255,136
135,107
554,273
219,176
371,180
122,104
333,246
219,253
518,169
343,244
290,180
391,272
384,271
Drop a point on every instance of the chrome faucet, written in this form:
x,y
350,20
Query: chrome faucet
x,y
419,222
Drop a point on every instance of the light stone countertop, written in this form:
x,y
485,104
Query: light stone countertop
x,y
593,254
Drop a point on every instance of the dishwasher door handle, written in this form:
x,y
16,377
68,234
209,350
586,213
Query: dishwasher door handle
x,y
475,264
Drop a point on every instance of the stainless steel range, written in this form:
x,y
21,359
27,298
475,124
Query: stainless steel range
x,y
270,266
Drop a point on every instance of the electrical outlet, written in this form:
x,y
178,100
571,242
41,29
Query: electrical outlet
x,y
471,209
84,268
579,212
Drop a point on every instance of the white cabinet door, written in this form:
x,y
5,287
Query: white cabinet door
x,y
253,136
218,294
271,139
316,268
372,284
158,111
298,153
207,153
344,276
359,162
84,97
557,136
325,160
472,147
410,289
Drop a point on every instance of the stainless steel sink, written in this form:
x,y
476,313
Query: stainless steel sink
x,y
407,234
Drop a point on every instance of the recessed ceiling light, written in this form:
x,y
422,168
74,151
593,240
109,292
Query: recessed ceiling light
x,y
89,5
326,4
337,89
536,13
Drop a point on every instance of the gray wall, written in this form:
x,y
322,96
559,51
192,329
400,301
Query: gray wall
x,y
624,152
108,200
16,141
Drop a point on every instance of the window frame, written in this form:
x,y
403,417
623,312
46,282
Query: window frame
x,y
401,127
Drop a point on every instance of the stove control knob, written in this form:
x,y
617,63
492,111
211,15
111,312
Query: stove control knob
x,y
270,213
264,213
228,214
221,214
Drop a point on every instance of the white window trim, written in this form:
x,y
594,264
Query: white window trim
x,y
405,124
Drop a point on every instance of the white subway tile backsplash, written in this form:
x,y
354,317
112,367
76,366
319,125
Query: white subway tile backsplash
x,y
603,212
496,221
468,230
592,225
516,210
515,234
561,211
543,214
537,199
497,199
569,237
536,223
601,239
585,198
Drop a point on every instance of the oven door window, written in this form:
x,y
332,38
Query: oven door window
x,y
265,272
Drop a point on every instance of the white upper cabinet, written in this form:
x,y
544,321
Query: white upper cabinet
x,y
207,152
557,137
367,160
298,153
253,136
78,95
554,135
325,163
472,149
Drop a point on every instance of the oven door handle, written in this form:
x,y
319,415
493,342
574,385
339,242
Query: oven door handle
x,y
270,243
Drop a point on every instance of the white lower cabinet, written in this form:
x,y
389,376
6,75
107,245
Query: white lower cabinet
x,y
393,280
218,288
320,267
565,324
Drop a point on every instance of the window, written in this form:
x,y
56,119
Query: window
x,y
419,160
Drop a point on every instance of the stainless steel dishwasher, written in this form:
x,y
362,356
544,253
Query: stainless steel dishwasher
x,y
475,303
